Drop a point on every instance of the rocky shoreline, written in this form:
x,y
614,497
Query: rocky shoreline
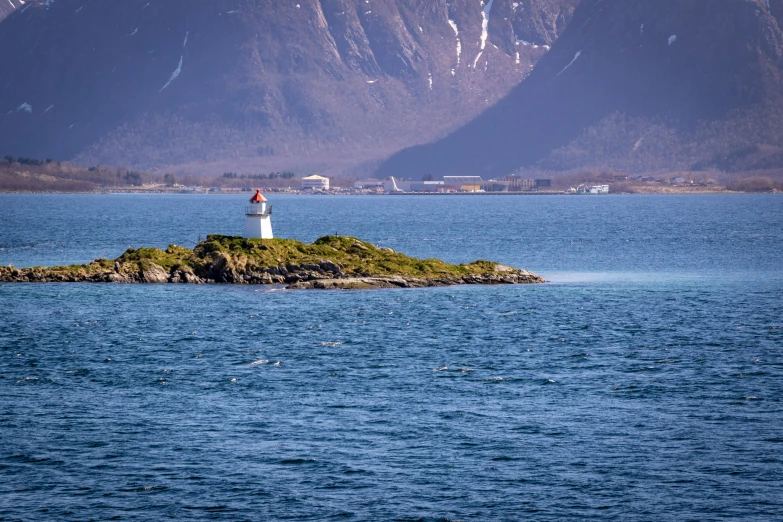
x,y
294,277
227,260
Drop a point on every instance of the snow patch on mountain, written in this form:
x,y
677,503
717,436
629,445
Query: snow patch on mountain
x,y
576,57
175,74
484,29
453,25
528,44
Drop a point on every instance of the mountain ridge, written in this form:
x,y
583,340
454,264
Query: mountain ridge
x,y
203,85
635,86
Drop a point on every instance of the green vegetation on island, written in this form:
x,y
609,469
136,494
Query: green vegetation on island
x,y
329,262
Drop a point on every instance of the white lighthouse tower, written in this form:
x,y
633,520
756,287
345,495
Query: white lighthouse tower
x,y
258,220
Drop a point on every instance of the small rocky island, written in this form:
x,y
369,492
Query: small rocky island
x,y
335,262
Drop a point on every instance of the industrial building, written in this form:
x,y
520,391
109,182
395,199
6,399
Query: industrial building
x,y
518,184
455,184
464,183
449,184
369,184
394,185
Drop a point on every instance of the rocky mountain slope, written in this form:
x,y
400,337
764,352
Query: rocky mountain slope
x,y
244,84
8,6
635,85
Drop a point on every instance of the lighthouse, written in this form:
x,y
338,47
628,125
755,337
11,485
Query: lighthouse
x,y
258,219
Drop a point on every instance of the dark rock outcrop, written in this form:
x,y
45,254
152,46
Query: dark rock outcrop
x,y
516,277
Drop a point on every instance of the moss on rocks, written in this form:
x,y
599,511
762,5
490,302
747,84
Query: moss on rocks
x,y
229,259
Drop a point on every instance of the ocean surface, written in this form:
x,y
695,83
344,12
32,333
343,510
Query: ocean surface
x,y
645,382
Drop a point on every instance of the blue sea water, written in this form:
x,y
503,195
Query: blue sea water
x,y
644,382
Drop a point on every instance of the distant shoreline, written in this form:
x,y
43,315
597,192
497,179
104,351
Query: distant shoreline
x,y
640,190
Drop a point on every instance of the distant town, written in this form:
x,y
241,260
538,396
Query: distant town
x,y
316,184
33,175
513,184
451,185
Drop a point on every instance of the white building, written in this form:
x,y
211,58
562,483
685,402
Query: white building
x,y
395,185
587,189
315,182
258,219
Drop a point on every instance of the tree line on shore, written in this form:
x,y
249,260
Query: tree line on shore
x,y
270,176
24,174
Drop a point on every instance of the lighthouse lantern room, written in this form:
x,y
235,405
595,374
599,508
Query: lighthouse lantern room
x,y
258,218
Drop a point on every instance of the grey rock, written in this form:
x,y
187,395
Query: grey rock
x,y
192,278
154,274
330,266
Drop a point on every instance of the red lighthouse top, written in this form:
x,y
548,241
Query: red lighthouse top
x,y
257,197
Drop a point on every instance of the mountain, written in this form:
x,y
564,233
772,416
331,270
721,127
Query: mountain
x,y
633,85
208,86
8,6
